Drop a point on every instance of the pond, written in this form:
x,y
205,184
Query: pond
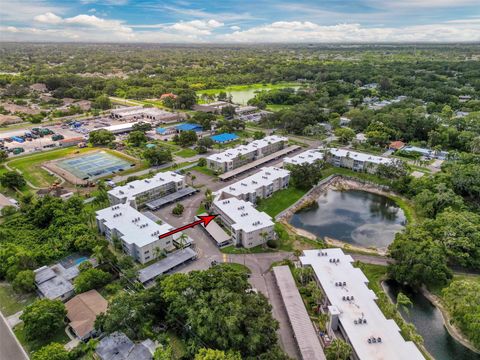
x,y
429,323
241,94
357,217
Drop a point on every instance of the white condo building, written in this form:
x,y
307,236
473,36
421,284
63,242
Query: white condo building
x,y
138,234
257,186
233,158
356,161
249,227
137,193
306,157
353,310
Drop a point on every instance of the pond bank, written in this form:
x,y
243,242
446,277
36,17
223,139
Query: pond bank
x,y
454,331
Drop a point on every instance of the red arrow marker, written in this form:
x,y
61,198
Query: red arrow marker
x,y
205,219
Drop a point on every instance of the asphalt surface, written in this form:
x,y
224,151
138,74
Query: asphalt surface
x,y
10,348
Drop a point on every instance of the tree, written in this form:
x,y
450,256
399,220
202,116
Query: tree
x,y
338,350
12,180
3,156
418,259
206,141
257,135
157,156
210,354
393,170
305,176
43,318
178,209
202,162
344,134
137,138
91,279
52,351
24,281
404,302
101,137
204,119
163,353
102,102
186,138
142,126
228,111
429,203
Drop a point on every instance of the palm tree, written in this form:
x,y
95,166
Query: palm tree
x,y
192,178
264,236
338,350
182,241
98,254
156,252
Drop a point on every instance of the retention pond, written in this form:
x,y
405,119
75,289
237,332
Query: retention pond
x,y
357,217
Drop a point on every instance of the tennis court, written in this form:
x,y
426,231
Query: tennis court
x,y
223,138
94,165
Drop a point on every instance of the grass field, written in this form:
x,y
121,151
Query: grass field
x,y
31,165
254,250
33,345
11,302
280,200
186,153
204,170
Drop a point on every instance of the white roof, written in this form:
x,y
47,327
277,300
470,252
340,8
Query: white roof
x,y
306,157
361,156
230,154
133,188
244,215
264,177
136,228
156,112
125,111
120,127
363,305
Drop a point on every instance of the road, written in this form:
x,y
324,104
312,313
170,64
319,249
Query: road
x,y
10,348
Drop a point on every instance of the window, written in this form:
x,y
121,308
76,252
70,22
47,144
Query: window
x,y
147,252
168,242
147,257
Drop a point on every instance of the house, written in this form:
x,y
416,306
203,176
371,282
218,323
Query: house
x,y
396,145
360,137
464,98
344,121
138,235
233,158
246,110
248,226
56,282
306,157
137,193
71,141
82,310
356,161
257,186
117,346
168,95
427,153
165,131
352,308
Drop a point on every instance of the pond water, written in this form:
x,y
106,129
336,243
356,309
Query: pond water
x,y
242,96
429,323
353,216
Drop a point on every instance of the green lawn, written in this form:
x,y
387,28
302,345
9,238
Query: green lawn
x,y
12,302
289,241
186,153
280,200
204,170
239,267
33,345
255,250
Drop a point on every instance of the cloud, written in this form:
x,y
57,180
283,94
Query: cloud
x,y
298,31
235,28
105,2
48,18
25,10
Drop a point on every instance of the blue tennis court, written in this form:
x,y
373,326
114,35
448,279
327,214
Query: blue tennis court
x,y
94,165
223,138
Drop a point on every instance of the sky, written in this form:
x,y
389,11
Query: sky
x,y
244,21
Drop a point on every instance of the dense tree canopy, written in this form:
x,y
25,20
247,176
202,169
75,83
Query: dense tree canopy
x,y
43,318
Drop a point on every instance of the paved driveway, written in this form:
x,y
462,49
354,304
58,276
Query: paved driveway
x,y
10,348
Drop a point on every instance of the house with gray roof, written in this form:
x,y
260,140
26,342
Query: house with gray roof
x,y
117,346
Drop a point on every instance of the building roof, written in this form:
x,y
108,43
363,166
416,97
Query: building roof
x,y
130,190
164,265
361,156
120,127
135,227
304,332
244,215
129,110
74,139
362,305
306,157
117,346
55,281
224,137
266,176
230,154
168,199
258,162
188,127
397,145
83,309
216,232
